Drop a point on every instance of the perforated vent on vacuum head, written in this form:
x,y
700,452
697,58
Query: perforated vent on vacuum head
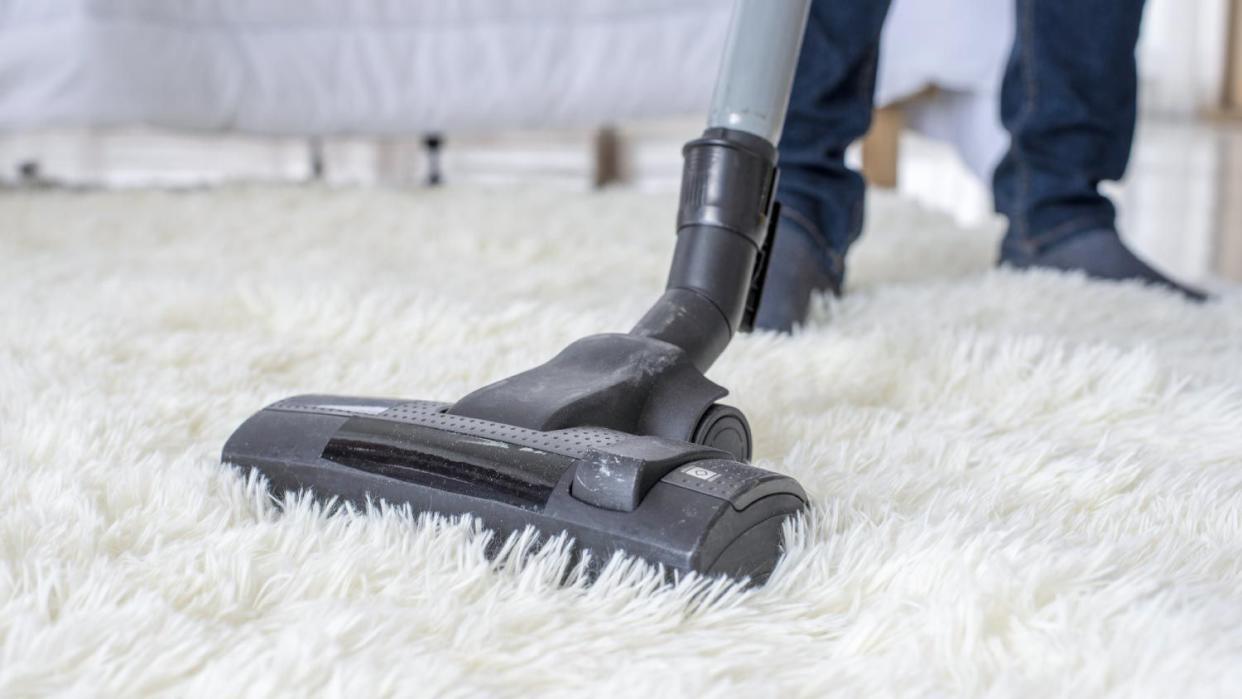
x,y
574,442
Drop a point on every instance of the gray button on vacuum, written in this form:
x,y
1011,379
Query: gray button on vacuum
x,y
739,484
617,477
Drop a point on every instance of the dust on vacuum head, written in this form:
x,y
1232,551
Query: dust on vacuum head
x,y
685,506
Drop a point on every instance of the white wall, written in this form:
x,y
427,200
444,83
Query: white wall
x,y
1182,55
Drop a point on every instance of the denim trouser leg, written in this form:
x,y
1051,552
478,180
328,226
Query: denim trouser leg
x,y
830,108
1069,101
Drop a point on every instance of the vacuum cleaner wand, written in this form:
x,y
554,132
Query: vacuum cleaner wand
x,y
619,440
728,183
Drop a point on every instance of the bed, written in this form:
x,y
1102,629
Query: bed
x,y
384,67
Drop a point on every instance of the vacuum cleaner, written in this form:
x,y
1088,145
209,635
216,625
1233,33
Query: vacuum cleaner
x,y
620,441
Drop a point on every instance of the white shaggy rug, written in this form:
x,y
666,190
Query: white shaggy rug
x,y
1024,484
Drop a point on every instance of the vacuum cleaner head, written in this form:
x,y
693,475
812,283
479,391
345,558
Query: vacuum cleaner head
x,y
618,440
686,506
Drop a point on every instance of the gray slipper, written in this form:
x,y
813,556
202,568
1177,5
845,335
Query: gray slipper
x,y
1101,254
800,266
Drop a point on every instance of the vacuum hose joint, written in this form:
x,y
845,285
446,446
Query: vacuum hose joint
x,y
727,182
727,187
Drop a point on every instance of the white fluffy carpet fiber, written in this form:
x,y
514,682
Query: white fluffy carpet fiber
x,y
1023,484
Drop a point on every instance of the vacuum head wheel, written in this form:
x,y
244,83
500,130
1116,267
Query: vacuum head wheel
x,y
725,428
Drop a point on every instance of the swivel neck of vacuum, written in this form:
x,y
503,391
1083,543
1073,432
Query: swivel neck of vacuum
x,y
723,221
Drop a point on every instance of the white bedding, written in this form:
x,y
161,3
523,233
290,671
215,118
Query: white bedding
x,y
319,67
374,66
961,47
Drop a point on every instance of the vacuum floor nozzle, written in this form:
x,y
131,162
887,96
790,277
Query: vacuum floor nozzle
x,y
685,506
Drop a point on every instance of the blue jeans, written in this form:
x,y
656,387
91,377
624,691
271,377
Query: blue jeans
x,y
1068,101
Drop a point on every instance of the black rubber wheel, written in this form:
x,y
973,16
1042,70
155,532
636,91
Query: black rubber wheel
x,y
725,428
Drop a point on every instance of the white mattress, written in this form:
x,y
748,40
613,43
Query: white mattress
x,y
373,66
321,67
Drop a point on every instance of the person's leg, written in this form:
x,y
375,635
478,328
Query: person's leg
x,y
822,199
1069,102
